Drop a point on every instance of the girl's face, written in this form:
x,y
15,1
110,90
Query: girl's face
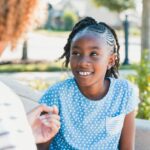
x,y
89,58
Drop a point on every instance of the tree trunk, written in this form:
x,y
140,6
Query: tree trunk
x,y
145,38
25,51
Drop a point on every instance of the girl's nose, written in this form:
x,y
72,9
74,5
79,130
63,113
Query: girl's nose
x,y
84,62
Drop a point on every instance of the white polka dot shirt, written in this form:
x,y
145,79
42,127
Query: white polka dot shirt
x,y
87,124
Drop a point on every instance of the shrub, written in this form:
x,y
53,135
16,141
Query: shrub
x,y
142,79
69,18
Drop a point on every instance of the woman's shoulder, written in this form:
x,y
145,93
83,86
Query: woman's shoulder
x,y
7,93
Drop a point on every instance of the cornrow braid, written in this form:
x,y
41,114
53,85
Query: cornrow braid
x,y
90,24
113,71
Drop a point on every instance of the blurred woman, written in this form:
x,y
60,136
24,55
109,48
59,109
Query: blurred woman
x,y
15,131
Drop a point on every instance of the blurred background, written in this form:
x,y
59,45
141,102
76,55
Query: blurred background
x,y
34,63
56,18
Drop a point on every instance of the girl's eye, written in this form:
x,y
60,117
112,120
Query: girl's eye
x,y
76,53
94,54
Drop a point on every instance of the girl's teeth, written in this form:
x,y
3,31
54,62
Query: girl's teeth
x,y
84,73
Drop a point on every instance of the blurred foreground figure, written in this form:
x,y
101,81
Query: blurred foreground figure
x,y
15,131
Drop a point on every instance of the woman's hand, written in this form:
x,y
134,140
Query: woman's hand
x,y
46,126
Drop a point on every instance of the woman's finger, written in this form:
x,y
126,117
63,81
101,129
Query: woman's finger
x,y
55,109
51,122
48,116
55,129
39,109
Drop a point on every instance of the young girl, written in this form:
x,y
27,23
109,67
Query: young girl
x,y
96,108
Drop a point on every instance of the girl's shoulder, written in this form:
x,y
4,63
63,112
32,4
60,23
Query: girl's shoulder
x,y
122,83
124,94
52,94
65,84
125,86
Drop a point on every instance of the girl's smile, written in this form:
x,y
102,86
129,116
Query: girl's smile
x,y
83,73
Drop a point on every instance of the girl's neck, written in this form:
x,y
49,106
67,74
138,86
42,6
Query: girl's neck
x,y
96,92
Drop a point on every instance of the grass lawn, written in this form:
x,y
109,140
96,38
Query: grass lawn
x,y
32,67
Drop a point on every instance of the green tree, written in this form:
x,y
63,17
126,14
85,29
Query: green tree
x,y
116,5
69,18
142,79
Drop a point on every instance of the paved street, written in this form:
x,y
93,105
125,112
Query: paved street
x,y
50,48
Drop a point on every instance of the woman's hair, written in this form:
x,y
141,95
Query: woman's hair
x,y
15,17
108,34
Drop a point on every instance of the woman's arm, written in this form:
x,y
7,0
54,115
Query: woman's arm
x,y
127,139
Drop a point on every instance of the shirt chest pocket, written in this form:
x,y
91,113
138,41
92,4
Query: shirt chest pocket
x,y
114,124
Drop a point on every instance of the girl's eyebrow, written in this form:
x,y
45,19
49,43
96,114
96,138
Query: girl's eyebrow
x,y
75,47
95,48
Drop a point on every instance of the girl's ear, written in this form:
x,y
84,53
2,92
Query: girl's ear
x,y
112,59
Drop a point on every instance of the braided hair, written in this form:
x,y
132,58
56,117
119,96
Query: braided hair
x,y
110,36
